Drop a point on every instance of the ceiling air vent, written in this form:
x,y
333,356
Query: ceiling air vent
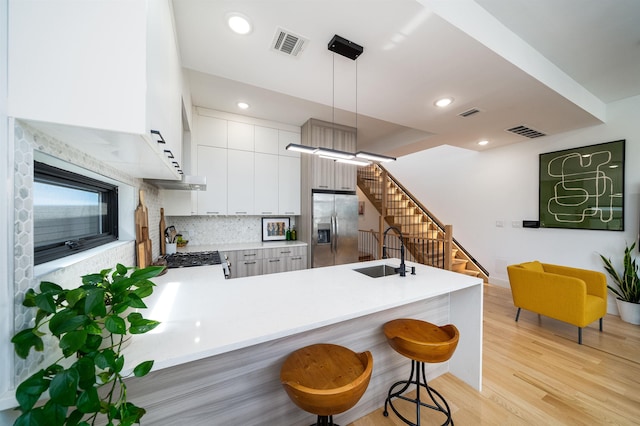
x,y
469,112
286,42
526,132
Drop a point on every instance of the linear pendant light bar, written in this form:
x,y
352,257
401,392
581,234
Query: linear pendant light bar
x,y
334,154
301,148
360,158
374,157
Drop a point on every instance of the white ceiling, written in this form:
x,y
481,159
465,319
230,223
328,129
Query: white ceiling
x,y
546,64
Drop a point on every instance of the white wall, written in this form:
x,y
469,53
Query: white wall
x,y
472,190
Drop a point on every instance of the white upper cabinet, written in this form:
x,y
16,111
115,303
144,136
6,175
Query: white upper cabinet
x,y
100,75
240,136
212,163
261,177
211,131
284,139
266,140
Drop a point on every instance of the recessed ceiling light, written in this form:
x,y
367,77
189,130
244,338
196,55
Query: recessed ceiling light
x,y
242,105
239,23
443,102
483,143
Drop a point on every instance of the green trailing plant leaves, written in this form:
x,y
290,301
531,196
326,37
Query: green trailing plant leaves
x,y
75,295
92,279
25,340
147,273
45,302
105,359
119,364
34,417
88,401
55,414
116,325
144,290
89,322
29,391
66,320
72,341
143,368
141,326
63,387
75,417
86,372
94,303
135,301
29,299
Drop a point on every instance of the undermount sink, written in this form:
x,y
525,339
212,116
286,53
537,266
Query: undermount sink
x,y
377,271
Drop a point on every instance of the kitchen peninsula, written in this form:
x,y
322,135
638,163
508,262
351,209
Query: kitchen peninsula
x,y
221,343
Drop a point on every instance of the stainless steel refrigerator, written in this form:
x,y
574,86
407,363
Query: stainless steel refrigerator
x,y
334,238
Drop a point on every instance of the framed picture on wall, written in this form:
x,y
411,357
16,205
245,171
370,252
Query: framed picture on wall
x,y
275,228
583,188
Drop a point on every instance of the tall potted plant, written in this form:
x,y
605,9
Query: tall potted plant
x,y
627,289
85,384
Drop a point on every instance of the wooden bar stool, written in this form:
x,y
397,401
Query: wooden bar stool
x,y
422,342
325,379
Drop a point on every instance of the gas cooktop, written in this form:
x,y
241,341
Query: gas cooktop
x,y
198,258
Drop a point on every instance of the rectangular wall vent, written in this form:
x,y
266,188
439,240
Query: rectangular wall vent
x,y
469,112
286,42
526,132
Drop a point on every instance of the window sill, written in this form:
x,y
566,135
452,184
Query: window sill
x,y
55,265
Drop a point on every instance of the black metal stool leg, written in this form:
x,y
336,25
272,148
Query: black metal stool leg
x,y
325,421
419,382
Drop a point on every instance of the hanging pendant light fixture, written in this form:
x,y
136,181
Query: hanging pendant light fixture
x,y
351,50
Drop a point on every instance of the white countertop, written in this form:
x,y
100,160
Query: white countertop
x,y
203,314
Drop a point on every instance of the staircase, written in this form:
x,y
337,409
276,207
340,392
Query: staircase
x,y
427,241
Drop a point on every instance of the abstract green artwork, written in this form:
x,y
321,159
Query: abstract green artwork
x,y
583,188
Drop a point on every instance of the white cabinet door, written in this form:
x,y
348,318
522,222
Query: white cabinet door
x,y
113,82
212,163
210,131
266,184
240,136
164,78
266,140
288,185
240,182
285,138
178,203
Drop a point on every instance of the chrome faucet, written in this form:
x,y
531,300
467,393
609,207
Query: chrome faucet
x,y
402,268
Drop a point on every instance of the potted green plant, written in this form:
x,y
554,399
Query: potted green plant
x,y
85,384
627,289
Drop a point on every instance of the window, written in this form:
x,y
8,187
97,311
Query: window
x,y
72,213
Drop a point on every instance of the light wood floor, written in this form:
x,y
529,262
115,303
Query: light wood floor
x,y
535,373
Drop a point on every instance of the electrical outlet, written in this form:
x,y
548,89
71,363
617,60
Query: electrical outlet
x,y
516,224
499,223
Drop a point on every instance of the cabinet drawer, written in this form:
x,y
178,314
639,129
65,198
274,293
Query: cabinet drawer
x,y
284,251
296,263
274,265
242,255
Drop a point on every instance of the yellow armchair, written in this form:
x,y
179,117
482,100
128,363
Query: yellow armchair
x,y
576,296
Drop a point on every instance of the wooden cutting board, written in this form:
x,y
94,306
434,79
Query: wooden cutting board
x,y
163,247
143,242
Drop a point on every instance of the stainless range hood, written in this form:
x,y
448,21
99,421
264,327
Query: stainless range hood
x,y
187,183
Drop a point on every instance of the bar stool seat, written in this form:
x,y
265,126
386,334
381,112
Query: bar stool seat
x,y
325,379
422,342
